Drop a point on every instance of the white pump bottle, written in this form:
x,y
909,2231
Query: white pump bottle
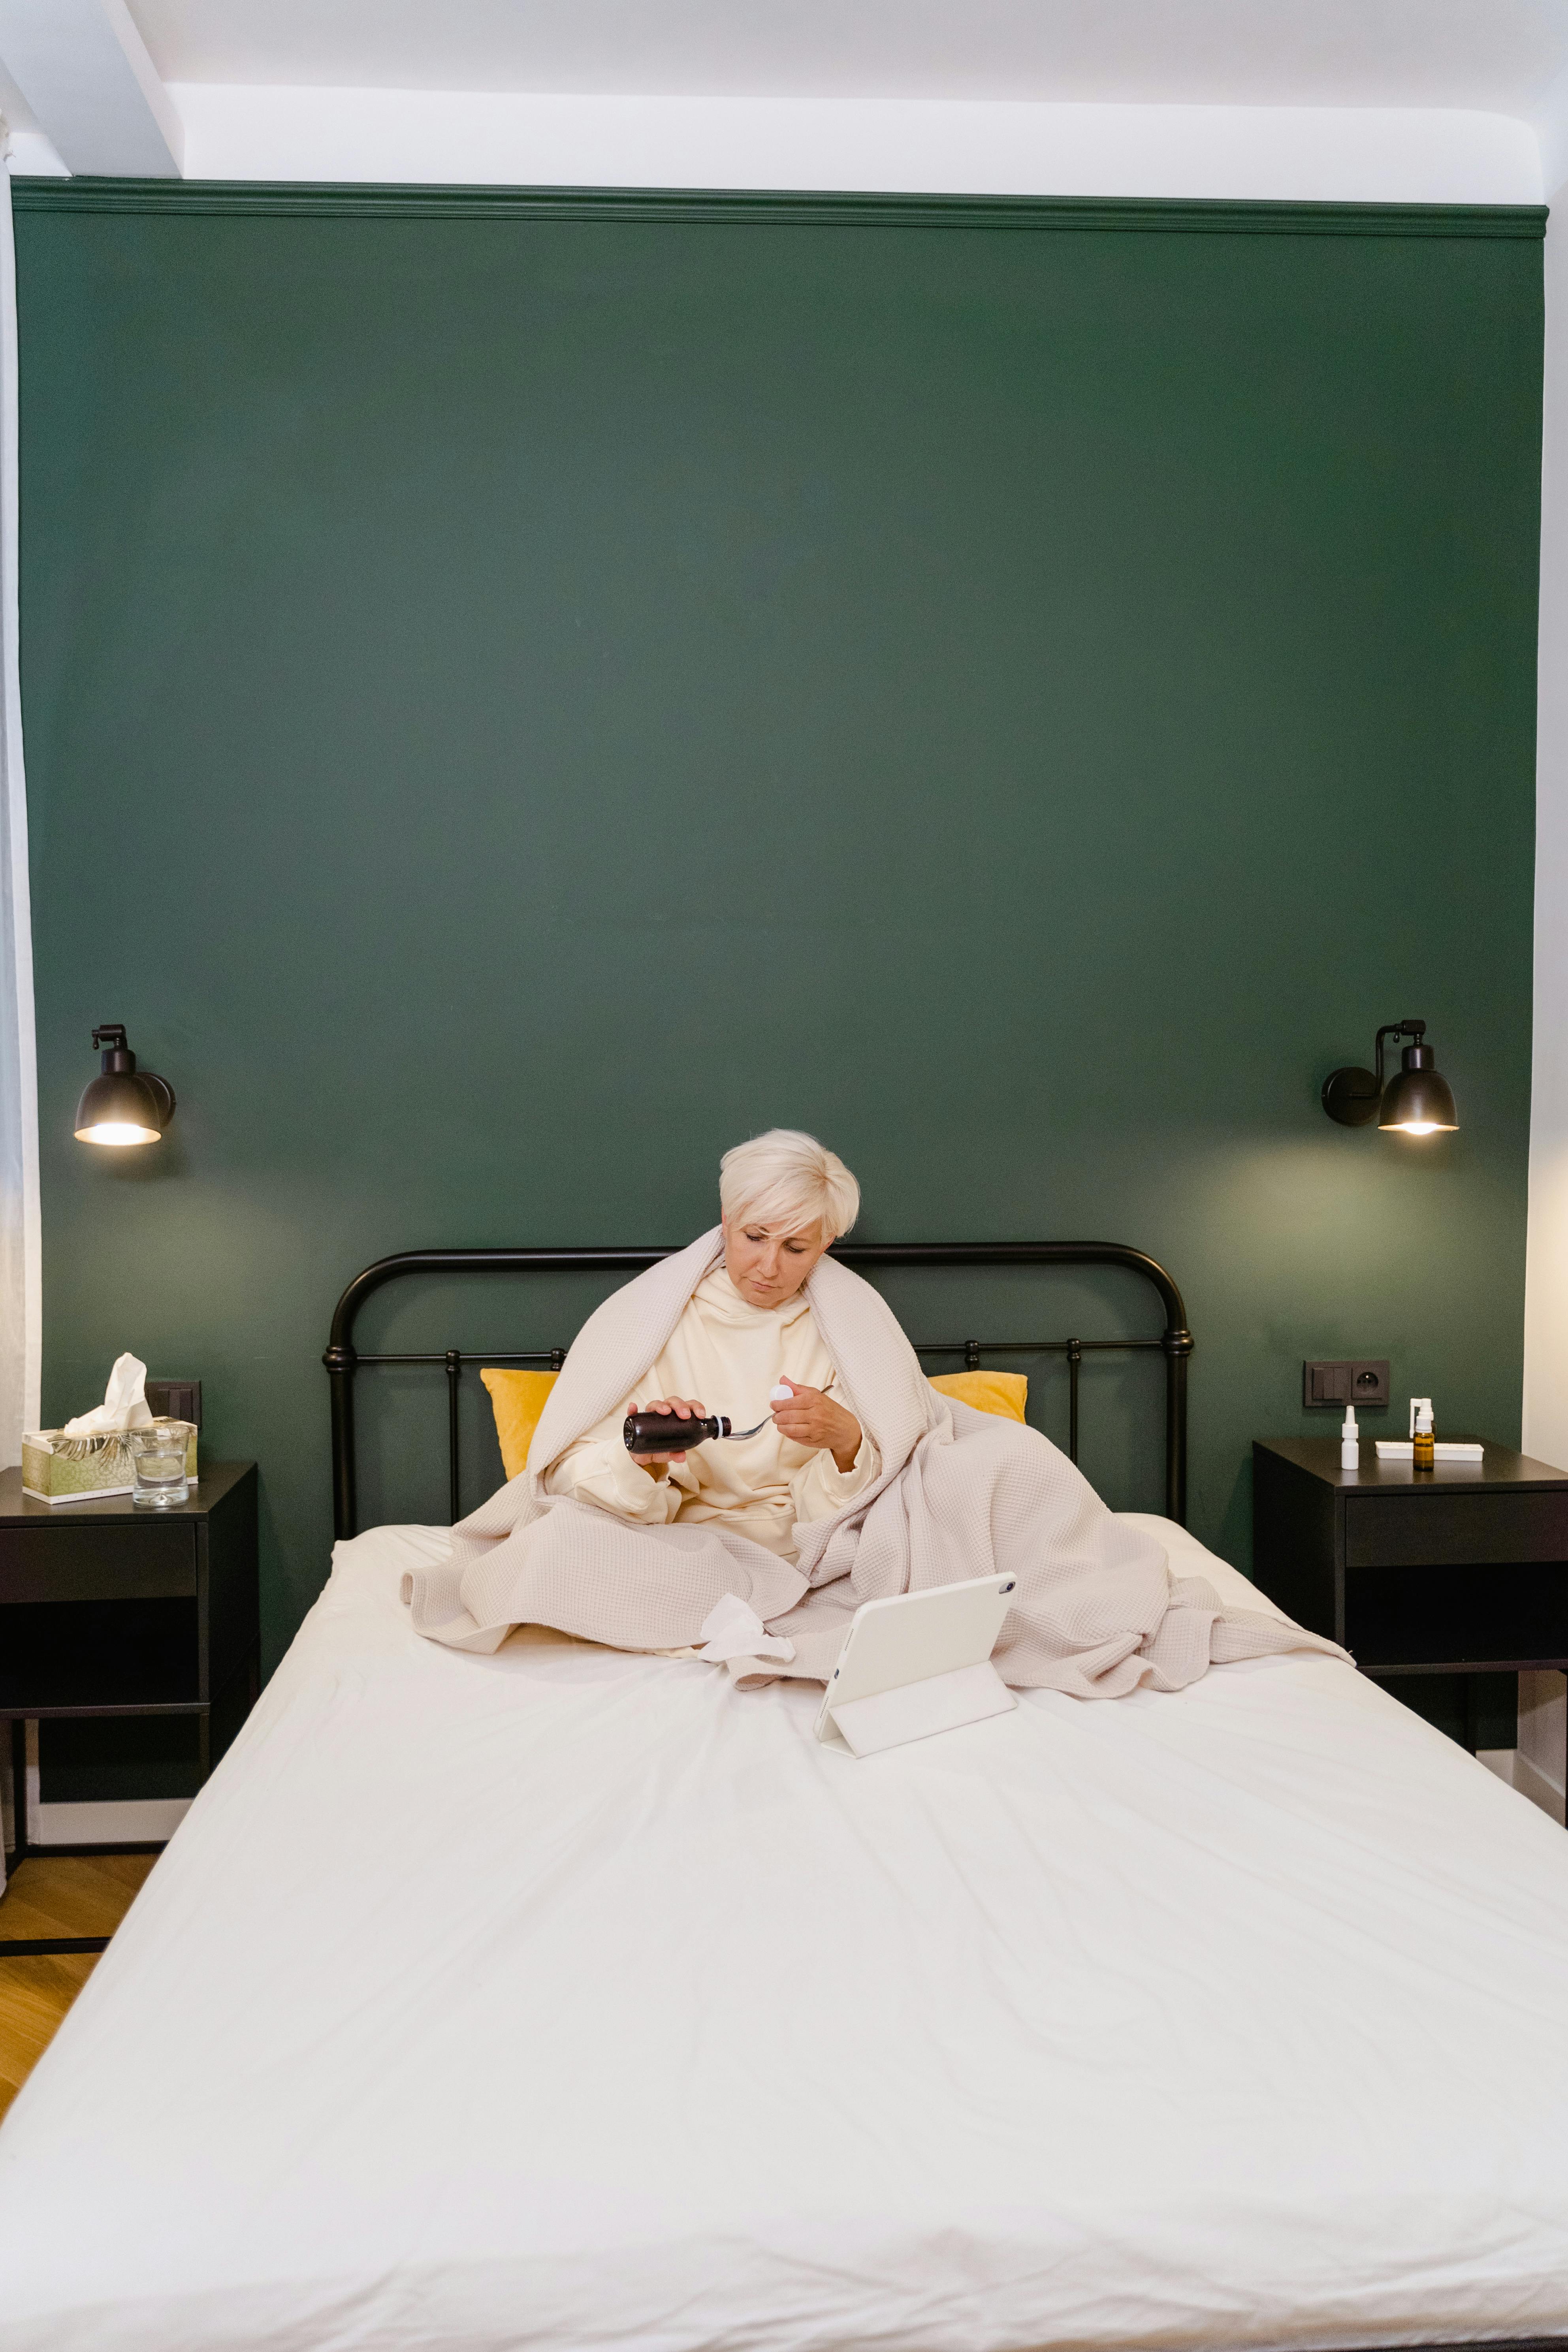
x,y
1350,1441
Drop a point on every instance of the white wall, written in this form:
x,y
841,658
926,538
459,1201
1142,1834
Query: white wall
x,y
1546,1280
1543,1712
1362,155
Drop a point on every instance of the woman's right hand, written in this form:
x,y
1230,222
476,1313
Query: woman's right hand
x,y
687,1407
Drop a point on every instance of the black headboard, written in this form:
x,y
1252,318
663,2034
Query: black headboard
x,y
343,1361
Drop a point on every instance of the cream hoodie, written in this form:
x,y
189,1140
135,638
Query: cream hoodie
x,y
729,1355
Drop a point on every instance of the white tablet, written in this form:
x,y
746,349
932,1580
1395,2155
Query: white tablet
x,y
941,1640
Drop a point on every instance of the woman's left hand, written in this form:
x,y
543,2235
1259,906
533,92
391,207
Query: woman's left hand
x,y
812,1419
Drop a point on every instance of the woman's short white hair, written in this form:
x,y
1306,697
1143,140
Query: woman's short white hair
x,y
784,1178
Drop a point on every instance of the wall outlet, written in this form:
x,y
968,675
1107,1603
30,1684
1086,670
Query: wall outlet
x,y
1336,1384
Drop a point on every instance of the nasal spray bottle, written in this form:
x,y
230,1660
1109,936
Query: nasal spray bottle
x,y
1350,1441
1423,1446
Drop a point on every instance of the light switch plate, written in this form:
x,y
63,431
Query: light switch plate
x,y
176,1400
1328,1385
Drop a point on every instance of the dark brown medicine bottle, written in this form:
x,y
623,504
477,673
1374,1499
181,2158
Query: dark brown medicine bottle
x,y
667,1433
1423,1446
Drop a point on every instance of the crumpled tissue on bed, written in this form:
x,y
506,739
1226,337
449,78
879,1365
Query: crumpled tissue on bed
x,y
733,1630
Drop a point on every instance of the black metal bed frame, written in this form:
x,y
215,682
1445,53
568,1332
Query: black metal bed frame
x,y
342,1360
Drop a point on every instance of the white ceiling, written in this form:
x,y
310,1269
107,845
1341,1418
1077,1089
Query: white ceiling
x,y
1496,55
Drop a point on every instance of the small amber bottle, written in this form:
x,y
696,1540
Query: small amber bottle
x,y
1423,1450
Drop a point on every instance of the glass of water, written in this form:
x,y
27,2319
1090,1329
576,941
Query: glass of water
x,y
158,1454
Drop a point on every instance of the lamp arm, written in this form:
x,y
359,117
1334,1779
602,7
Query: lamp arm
x,y
1416,1029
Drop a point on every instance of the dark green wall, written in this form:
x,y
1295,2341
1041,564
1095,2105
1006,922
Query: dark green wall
x,y
519,698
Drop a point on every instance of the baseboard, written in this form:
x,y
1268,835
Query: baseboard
x,y
1510,1764
1532,1782
110,1821
124,1821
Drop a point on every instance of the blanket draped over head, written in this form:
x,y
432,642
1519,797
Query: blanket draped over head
x,y
960,1494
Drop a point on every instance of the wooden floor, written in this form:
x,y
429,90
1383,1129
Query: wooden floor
x,y
55,1895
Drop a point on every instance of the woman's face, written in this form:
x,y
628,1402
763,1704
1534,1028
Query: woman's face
x,y
766,1264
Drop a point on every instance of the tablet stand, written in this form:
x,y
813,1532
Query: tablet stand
x,y
915,1710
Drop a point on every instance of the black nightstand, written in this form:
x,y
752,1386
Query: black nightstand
x,y
1461,1570
111,1610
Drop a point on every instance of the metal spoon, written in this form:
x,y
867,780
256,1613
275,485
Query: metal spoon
x,y
782,1397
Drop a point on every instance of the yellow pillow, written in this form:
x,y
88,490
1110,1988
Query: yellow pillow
x,y
517,1399
1000,1392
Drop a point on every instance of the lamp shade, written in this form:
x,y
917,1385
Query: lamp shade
x,y
122,1104
119,1108
1418,1100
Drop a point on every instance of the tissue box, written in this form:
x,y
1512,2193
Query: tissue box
x,y
60,1469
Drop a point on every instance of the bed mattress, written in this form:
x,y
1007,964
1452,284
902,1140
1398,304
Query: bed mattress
x,y
570,1999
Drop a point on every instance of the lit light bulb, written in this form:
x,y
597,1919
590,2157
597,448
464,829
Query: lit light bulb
x,y
116,1131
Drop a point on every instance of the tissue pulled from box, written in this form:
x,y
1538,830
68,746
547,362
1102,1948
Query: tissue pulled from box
x,y
125,1402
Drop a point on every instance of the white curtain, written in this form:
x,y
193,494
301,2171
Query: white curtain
x,y
21,1319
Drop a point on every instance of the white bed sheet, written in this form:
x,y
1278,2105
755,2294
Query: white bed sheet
x,y
570,2000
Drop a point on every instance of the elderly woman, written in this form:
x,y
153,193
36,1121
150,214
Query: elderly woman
x,y
747,1334
860,1483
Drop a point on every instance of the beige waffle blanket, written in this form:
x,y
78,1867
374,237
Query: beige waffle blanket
x,y
962,1493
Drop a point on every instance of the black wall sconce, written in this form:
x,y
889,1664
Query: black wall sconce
x,y
1417,1100
123,1104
